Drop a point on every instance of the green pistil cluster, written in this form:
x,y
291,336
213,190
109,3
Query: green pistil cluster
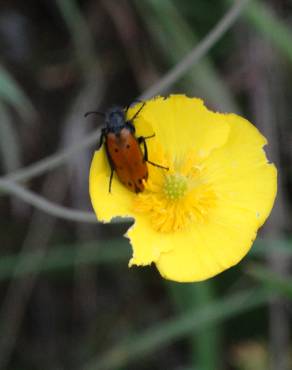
x,y
175,186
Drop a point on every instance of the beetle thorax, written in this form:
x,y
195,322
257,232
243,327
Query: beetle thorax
x,y
115,120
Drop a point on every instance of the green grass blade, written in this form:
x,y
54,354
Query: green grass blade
x,y
64,257
9,142
11,93
61,257
205,350
80,34
165,333
165,23
206,345
267,23
263,247
271,279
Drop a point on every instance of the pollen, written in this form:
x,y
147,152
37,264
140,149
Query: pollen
x,y
175,186
174,201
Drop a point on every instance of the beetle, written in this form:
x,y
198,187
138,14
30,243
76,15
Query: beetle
x,y
123,148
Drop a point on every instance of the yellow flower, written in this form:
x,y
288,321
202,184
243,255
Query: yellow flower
x,y
201,216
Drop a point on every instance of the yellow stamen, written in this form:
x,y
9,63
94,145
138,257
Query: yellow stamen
x,y
175,199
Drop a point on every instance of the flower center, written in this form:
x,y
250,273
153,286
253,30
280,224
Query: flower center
x,y
176,199
175,186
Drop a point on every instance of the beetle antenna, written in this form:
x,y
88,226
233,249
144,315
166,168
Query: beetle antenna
x,y
94,112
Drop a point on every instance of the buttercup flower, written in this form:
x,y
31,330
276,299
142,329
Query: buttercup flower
x,y
200,216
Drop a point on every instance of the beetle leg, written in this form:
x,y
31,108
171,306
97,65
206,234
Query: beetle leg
x,y
142,140
147,137
101,139
129,105
138,111
110,162
111,179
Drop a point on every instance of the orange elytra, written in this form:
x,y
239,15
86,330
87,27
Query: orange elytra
x,y
123,148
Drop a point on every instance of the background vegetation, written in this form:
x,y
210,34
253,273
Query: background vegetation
x,y
68,299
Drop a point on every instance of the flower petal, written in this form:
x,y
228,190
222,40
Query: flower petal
x,y
107,205
206,251
240,173
147,243
231,163
245,185
181,124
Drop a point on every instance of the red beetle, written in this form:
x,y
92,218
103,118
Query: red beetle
x,y
123,148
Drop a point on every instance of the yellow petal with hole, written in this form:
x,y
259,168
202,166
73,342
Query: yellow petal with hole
x,y
147,244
